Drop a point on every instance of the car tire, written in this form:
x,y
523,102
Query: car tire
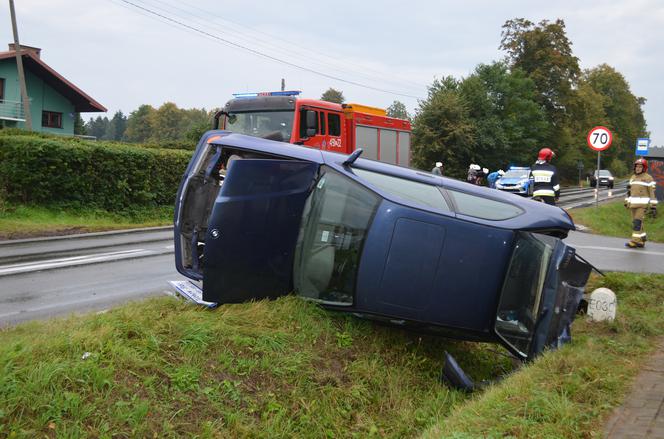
x,y
611,186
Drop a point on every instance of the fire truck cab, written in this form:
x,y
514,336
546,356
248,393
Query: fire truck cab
x,y
342,128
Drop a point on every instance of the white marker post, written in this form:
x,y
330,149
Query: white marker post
x,y
599,139
602,305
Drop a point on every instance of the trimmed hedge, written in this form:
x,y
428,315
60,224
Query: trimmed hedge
x,y
47,170
166,144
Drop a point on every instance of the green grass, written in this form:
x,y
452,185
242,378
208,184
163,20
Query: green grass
x,y
569,393
613,219
286,368
22,221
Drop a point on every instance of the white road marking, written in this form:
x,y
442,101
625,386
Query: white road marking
x,y
74,260
639,251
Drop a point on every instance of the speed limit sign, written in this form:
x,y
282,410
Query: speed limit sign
x,y
599,138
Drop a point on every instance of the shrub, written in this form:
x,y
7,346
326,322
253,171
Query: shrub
x,y
618,168
46,169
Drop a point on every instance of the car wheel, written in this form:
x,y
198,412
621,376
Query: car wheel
x,y
611,186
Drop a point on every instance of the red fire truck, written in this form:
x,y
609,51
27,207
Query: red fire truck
x,y
284,116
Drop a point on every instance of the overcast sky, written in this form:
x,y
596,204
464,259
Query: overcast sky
x,y
375,52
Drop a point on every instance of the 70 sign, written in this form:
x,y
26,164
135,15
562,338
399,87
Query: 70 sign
x,y
599,138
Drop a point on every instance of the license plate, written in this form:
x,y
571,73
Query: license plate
x,y
191,292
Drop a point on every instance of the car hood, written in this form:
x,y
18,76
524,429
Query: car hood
x,y
511,180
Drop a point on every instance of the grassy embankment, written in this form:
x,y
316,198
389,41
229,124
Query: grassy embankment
x,y
289,369
613,219
24,221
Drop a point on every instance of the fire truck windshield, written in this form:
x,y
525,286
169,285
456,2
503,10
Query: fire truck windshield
x,y
275,125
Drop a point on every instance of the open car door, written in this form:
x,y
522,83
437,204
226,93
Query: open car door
x,y
253,229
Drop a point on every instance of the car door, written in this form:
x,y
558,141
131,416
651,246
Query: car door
x,y
253,229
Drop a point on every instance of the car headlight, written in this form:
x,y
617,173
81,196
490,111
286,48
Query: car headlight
x,y
499,186
610,178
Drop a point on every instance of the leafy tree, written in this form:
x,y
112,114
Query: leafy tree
x,y
622,109
166,122
333,95
491,117
139,124
443,129
194,123
398,110
509,123
544,53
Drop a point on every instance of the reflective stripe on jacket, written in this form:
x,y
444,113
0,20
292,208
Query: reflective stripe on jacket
x,y
641,191
545,180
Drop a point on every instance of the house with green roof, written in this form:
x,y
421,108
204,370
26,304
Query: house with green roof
x,y
54,101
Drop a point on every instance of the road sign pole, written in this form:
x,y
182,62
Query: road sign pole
x,y
597,181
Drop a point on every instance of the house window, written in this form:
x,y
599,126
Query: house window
x,y
51,119
2,89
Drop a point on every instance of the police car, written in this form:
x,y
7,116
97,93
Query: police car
x,y
516,180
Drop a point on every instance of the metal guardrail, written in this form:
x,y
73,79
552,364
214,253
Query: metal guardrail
x,y
12,110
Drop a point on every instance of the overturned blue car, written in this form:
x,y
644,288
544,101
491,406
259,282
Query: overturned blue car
x,y
258,219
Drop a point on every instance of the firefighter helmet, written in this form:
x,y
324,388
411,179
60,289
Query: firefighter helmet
x,y
642,162
545,154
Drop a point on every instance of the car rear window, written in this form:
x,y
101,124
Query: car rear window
x,y
419,193
485,208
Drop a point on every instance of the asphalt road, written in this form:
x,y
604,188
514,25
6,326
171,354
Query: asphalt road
x,y
48,277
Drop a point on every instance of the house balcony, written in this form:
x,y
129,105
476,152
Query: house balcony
x,y
12,110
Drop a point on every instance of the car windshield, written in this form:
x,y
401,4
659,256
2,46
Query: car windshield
x,y
522,291
278,125
517,173
603,173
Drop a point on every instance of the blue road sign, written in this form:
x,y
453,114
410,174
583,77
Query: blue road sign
x,y
642,146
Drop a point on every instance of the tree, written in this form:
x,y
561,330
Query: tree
x,y
509,123
117,127
139,124
97,127
443,130
544,53
333,95
79,125
622,109
166,122
398,110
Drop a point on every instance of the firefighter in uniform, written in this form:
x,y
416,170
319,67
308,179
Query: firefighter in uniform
x,y
545,178
640,197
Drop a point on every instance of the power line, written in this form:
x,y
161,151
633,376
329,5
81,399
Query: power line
x,y
262,54
246,30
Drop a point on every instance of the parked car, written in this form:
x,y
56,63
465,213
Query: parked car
x,y
517,181
376,240
605,178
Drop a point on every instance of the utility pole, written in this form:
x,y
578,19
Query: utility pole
x,y
21,74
